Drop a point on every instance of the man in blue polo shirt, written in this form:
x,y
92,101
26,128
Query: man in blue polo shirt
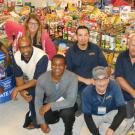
x,y
125,70
103,105
82,57
29,63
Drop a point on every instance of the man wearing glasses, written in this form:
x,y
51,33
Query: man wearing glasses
x,y
103,105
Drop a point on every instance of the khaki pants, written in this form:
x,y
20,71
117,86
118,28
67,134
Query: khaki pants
x,y
103,122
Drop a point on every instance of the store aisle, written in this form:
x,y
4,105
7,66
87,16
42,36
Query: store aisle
x,y
12,117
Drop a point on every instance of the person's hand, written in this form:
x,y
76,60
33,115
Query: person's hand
x,y
14,93
109,132
1,89
26,95
8,59
89,81
133,93
45,128
44,108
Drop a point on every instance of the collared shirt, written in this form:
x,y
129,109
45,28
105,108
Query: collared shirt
x,y
39,68
23,58
67,90
82,62
126,69
111,100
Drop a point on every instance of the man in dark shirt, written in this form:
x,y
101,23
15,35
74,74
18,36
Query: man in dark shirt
x,y
82,57
125,70
29,63
103,105
125,74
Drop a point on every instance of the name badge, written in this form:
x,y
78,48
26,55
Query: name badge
x,y
101,110
60,99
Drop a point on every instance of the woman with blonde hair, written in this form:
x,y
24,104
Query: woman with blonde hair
x,y
33,28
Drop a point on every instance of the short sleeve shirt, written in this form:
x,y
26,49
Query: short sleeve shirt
x,y
126,69
112,99
82,62
38,71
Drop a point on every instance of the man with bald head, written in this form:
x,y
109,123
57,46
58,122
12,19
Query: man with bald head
x,y
125,70
125,75
29,63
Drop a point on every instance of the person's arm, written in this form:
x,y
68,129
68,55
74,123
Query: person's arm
x,y
118,118
86,97
22,87
101,59
87,81
120,104
19,79
26,85
70,67
31,83
91,124
101,62
23,93
48,45
70,98
40,68
125,86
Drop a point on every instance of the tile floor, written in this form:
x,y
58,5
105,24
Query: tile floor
x,y
12,117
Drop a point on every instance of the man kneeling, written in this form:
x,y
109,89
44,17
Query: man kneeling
x,y
103,105
56,93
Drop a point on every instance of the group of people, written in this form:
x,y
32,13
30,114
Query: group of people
x,y
79,81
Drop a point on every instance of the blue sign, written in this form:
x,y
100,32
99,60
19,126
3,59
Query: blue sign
x,y
7,82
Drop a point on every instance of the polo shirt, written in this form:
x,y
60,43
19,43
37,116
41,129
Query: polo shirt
x,y
112,99
39,68
82,62
124,68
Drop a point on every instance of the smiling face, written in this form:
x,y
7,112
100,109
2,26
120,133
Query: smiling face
x,y
58,67
25,47
33,25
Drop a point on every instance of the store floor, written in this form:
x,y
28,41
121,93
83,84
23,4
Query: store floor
x,y
12,117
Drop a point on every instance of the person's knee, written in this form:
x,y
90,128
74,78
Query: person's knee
x,y
67,114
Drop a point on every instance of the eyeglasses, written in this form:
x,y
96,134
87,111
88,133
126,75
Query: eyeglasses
x,y
33,24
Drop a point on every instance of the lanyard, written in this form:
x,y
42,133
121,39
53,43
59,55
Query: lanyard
x,y
101,99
